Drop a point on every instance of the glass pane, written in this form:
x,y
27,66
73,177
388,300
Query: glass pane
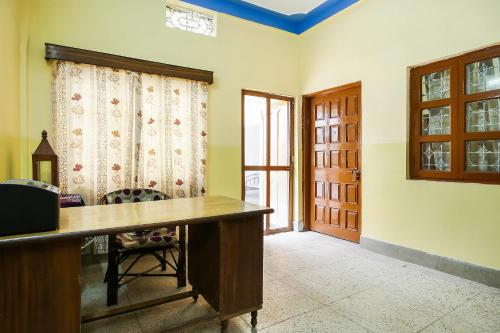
x,y
436,85
483,155
483,116
190,20
280,195
483,76
255,187
45,171
255,130
436,156
436,121
280,132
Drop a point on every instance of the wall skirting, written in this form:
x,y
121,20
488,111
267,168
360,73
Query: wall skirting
x,y
481,274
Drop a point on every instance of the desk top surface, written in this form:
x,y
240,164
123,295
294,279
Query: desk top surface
x,y
106,219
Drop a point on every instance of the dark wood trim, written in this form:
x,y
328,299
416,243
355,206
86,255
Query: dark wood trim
x,y
268,168
306,165
333,90
59,52
135,307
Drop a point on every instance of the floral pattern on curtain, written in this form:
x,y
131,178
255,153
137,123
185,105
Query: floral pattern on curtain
x,y
117,129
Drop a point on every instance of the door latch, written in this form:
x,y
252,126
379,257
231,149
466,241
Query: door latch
x,y
356,175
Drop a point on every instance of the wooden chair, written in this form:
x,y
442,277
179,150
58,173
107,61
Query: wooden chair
x,y
142,243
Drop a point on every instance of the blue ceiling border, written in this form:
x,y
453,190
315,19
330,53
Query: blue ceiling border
x,y
296,24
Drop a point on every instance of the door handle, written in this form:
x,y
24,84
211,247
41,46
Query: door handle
x,y
356,175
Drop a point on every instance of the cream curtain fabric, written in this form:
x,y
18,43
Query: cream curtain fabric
x,y
117,129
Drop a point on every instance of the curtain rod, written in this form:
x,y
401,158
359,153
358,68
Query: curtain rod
x,y
59,52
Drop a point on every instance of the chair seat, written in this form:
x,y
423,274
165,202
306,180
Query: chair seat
x,y
147,238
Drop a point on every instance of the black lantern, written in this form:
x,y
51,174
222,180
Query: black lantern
x,y
44,161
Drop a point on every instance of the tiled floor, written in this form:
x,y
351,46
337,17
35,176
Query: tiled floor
x,y
315,283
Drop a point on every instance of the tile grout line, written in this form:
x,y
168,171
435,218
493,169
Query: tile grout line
x,y
329,304
448,313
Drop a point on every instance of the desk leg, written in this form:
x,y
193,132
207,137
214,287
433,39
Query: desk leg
x,y
40,287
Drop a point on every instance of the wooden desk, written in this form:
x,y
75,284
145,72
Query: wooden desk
x,y
40,273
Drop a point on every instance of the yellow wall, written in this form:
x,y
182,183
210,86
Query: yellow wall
x,y
243,55
9,89
375,41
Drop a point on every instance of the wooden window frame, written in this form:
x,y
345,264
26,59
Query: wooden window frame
x,y
457,102
268,167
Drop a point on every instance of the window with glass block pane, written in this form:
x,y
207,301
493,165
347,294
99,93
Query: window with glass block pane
x,y
455,118
191,20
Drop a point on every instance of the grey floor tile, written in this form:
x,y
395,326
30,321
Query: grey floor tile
x,y
440,295
483,310
120,324
302,272
323,320
382,312
281,303
159,318
450,324
328,284
235,325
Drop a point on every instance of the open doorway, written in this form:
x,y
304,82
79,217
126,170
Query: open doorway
x,y
267,156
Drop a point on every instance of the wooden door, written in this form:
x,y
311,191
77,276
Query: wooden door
x,y
336,163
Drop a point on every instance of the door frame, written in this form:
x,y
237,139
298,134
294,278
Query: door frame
x,y
306,149
268,167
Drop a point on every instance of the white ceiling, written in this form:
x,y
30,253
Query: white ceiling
x,y
288,7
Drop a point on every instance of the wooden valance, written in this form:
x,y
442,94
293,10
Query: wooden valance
x,y
58,52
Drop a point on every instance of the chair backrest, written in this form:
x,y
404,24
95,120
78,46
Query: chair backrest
x,y
132,195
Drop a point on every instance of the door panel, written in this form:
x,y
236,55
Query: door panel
x,y
336,164
267,159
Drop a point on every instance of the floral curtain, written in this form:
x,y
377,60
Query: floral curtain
x,y
117,129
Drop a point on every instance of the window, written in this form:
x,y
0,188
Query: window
x,y
267,160
190,20
455,118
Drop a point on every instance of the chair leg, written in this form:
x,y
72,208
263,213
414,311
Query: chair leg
x,y
164,262
112,278
181,263
195,295
181,267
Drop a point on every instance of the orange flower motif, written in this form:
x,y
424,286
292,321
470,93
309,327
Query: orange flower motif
x,y
204,105
178,151
179,182
203,190
151,152
177,122
152,183
204,161
139,114
150,121
151,89
116,167
77,131
76,97
116,134
203,133
77,167
176,91
115,101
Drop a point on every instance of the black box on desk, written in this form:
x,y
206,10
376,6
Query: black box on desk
x,y
28,206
